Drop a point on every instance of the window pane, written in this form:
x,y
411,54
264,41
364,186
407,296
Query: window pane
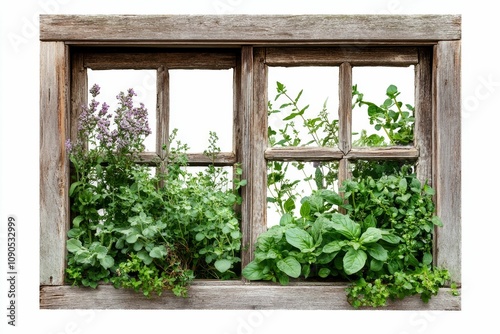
x,y
309,118
143,82
202,101
389,121
290,182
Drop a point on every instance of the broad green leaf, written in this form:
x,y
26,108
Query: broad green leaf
x,y
289,266
253,271
376,265
286,219
377,251
199,236
107,262
222,265
345,226
371,235
392,91
74,233
132,238
299,238
159,252
333,246
403,185
73,187
354,260
101,251
73,245
390,238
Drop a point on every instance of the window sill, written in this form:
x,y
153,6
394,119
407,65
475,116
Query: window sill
x,y
231,295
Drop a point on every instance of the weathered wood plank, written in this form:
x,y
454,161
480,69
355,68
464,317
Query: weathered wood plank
x,y
172,60
231,296
447,155
256,29
162,110
245,106
335,56
54,164
345,107
332,154
303,153
423,115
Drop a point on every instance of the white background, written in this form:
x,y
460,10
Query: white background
x,y
19,176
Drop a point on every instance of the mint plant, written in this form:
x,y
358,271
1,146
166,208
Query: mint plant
x,y
376,232
143,231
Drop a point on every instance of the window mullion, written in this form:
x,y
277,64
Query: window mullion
x,y
345,118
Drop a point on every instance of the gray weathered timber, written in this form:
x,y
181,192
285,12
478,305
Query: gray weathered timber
x,y
231,295
335,56
244,29
423,115
54,164
150,60
447,151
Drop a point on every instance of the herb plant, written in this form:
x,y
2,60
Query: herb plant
x,y
144,231
375,232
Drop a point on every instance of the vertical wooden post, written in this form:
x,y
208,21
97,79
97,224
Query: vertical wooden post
x,y
54,164
447,155
345,119
423,115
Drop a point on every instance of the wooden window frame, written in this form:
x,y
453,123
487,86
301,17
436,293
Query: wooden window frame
x,y
430,42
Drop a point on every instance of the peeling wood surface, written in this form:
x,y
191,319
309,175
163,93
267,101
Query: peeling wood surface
x,y
54,164
256,29
231,296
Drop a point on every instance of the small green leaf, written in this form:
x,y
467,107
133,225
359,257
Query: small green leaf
x,y
77,221
333,246
305,210
289,266
345,226
158,252
289,205
324,272
437,221
73,245
144,256
199,236
222,265
132,238
427,259
101,251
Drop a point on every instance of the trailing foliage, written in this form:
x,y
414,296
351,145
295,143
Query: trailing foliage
x,y
376,232
139,230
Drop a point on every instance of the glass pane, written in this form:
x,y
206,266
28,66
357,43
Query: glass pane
x,y
290,182
143,82
303,106
383,100
202,101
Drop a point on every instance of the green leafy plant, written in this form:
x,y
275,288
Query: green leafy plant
x,y
144,231
376,232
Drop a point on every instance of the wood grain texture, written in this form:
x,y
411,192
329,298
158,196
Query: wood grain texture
x,y
231,295
54,164
172,59
423,115
256,29
447,155
335,56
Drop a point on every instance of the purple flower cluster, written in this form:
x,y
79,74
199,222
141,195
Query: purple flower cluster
x,y
123,133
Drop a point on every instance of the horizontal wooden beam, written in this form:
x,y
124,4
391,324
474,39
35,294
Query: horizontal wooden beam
x,y
334,56
147,60
231,295
332,154
254,29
